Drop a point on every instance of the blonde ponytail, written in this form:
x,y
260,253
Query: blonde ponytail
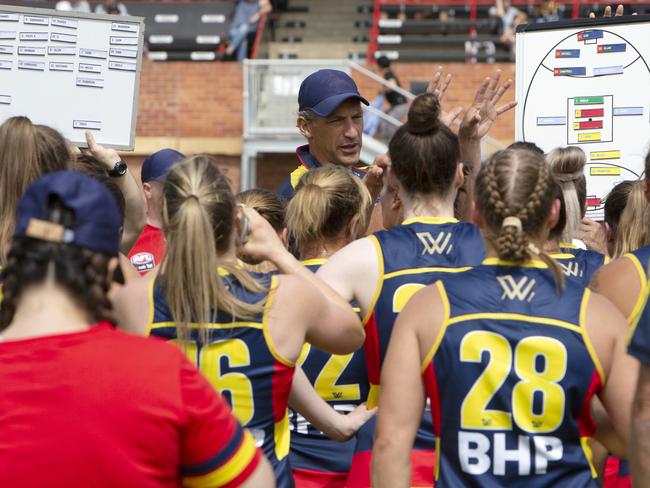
x,y
328,201
633,230
568,166
198,216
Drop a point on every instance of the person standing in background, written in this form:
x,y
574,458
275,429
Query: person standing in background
x,y
245,22
149,248
398,104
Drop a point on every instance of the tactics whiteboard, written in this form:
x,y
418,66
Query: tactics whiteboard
x,y
72,71
586,83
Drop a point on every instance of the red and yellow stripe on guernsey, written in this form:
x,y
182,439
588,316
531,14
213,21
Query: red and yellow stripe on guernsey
x,y
371,349
430,378
371,344
283,370
231,473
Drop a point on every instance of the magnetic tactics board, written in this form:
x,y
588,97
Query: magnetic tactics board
x,y
72,71
586,83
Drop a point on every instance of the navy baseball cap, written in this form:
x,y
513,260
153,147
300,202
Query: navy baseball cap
x,y
156,166
323,91
97,221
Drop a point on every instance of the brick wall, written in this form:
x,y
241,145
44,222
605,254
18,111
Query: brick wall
x,y
204,100
185,99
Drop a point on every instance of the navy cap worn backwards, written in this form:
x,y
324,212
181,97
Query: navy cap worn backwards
x,y
97,221
156,166
323,91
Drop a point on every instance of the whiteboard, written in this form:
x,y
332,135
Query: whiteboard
x,y
72,71
585,83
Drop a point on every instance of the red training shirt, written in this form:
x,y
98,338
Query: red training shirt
x,y
102,408
148,250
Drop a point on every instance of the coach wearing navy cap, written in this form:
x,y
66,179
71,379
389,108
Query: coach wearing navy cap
x,y
330,117
149,249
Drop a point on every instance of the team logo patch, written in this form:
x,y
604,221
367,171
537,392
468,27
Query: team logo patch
x,y
143,261
521,290
571,269
435,245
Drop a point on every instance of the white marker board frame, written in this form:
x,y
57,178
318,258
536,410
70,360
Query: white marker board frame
x,y
584,83
67,122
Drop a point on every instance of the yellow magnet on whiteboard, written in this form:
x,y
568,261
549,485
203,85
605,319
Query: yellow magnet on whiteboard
x,y
596,155
604,171
589,136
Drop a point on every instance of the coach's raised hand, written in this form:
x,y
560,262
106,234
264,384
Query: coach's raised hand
x,y
485,108
438,86
477,122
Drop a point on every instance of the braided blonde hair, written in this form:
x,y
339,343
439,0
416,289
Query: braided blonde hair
x,y
514,190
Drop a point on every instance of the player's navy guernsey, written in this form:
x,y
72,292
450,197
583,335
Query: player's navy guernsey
x,y
579,264
241,362
510,379
411,256
340,380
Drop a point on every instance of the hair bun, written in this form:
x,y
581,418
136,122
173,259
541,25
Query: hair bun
x,y
424,114
567,163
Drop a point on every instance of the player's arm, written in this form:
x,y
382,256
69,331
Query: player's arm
x,y
639,347
131,305
621,283
215,450
607,329
606,435
134,212
354,272
402,395
337,426
300,313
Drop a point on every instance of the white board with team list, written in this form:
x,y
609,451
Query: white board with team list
x,y
72,71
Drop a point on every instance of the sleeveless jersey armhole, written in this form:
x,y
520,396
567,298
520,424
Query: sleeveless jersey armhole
x,y
443,327
380,281
585,336
265,325
633,318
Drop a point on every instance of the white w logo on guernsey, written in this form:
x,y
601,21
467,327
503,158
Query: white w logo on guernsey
x,y
517,290
438,245
571,269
